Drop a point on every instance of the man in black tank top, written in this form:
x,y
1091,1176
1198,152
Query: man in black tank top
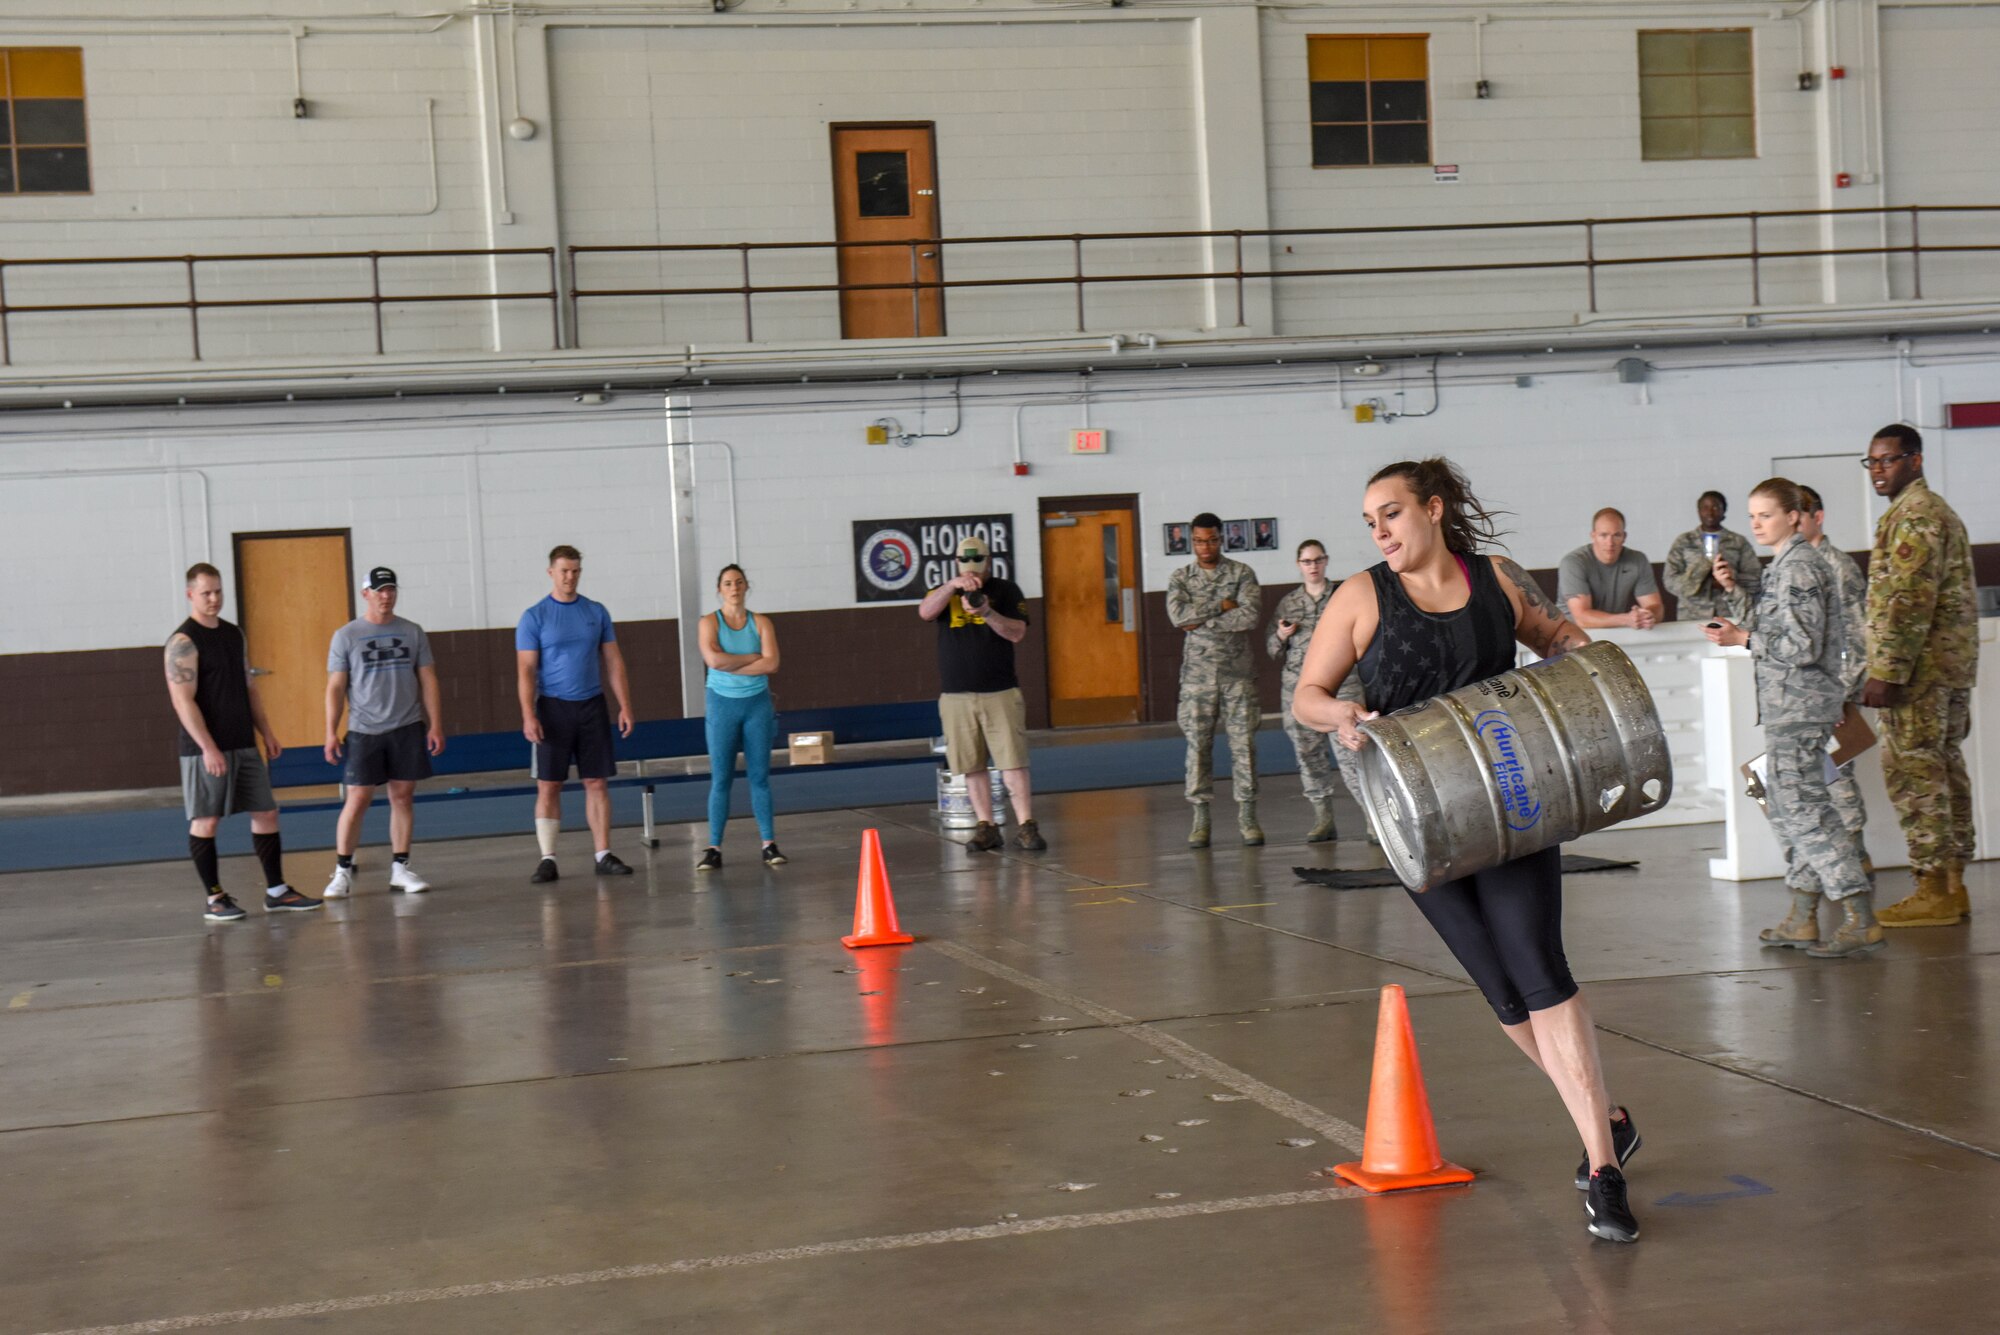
x,y
222,771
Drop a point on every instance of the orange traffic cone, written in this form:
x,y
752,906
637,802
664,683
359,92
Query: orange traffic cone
x,y
1400,1149
874,912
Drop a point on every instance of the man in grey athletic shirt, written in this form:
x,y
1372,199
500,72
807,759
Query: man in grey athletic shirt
x,y
379,666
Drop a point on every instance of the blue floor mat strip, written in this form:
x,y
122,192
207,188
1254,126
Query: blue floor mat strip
x,y
110,838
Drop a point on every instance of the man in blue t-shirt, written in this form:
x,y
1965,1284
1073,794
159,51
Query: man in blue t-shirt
x,y
567,650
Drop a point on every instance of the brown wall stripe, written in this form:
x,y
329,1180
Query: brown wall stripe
x,y
99,719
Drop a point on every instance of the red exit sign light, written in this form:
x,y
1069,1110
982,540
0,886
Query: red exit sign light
x,y
1093,441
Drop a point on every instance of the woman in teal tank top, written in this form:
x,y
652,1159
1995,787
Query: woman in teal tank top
x,y
741,650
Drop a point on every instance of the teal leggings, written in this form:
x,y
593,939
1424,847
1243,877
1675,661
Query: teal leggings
x,y
746,724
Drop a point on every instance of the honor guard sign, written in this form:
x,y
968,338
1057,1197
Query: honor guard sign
x,y
897,560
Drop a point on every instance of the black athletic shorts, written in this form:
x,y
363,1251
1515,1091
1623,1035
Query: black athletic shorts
x,y
574,730
374,758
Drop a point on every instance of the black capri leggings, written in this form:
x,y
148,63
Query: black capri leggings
x,y
1504,926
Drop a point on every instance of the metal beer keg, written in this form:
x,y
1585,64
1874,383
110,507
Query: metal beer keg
x,y
1507,766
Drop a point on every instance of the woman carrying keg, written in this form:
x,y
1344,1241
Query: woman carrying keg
x,y
1796,632
741,650
1434,615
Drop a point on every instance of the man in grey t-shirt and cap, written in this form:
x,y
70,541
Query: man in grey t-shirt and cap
x,y
1605,583
379,667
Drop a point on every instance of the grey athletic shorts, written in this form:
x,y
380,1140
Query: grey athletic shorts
x,y
243,785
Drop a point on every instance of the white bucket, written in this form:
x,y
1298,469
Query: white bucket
x,y
955,807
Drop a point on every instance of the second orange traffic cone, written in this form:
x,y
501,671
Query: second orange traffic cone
x,y
1400,1148
874,911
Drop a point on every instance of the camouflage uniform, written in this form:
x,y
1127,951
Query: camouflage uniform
x,y
1216,676
1316,750
1691,576
1798,638
1853,586
1923,613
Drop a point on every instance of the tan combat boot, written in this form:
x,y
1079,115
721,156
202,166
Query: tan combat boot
x,y
1198,832
1858,933
1322,829
1246,821
1961,903
1800,929
1928,906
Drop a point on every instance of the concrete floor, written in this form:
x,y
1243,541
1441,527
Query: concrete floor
x,y
653,1104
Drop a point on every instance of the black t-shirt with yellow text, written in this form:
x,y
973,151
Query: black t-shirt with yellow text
x,y
972,656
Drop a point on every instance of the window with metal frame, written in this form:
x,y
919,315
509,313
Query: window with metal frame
x,y
44,143
1697,95
1371,100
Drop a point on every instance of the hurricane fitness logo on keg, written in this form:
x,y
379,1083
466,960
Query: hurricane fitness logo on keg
x,y
901,559
1510,774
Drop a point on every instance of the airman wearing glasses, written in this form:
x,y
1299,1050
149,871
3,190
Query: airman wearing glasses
x,y
1291,631
1923,652
981,617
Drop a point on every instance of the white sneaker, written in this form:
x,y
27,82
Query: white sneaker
x,y
342,884
404,877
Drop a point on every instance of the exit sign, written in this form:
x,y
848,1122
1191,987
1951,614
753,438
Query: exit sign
x,y
1094,441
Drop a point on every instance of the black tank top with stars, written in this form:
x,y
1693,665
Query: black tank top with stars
x,y
1417,654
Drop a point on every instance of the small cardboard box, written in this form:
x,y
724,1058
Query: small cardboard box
x,y
811,748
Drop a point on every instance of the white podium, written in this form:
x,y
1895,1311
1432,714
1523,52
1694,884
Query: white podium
x,y
1670,658
1731,736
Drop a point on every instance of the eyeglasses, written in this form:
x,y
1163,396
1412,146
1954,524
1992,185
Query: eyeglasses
x,y
971,559
1877,464
1312,560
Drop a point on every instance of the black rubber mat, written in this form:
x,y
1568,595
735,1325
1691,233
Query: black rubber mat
x,y
1574,864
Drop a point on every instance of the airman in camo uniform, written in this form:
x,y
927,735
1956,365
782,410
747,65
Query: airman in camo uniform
x,y
1216,602
1853,587
1923,654
1796,634
1290,632
1689,571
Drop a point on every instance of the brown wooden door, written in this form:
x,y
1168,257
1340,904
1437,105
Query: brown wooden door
x,y
293,590
885,189
1090,598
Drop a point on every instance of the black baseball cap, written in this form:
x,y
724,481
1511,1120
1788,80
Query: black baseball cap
x,y
381,577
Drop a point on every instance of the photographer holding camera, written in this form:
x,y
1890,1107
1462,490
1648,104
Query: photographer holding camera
x,y
980,619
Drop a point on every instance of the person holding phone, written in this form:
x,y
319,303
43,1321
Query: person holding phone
x,y
1290,633
1796,632
980,617
1690,569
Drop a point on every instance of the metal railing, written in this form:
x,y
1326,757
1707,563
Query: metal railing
x,y
1571,245
1586,234
194,303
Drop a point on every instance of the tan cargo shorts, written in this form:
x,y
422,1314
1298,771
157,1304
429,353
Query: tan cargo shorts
x,y
984,729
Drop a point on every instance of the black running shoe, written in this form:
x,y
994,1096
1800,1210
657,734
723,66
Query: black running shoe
x,y
545,871
609,865
291,902
711,861
224,909
985,836
1029,838
773,858
1610,1215
1624,1139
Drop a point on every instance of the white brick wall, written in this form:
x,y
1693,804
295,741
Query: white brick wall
x,y
108,550
1041,127
683,128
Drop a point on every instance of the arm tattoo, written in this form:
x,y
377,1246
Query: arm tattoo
x,y
182,657
1564,640
1531,592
